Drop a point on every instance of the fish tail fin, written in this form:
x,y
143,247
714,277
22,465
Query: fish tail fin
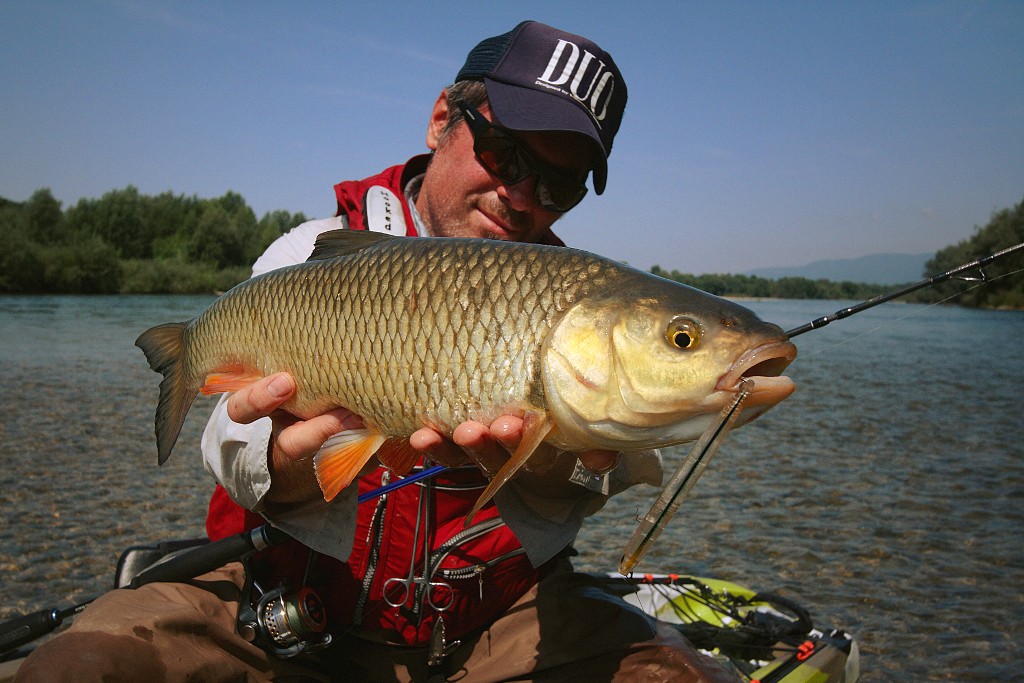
x,y
341,458
164,347
535,427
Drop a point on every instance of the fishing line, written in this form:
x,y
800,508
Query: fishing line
x,y
668,502
954,273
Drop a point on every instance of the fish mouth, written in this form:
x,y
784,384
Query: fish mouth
x,y
760,370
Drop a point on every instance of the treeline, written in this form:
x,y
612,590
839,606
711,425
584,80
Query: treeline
x,y
1005,281
1004,287
126,242
765,288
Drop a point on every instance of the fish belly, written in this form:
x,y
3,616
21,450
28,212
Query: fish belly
x,y
401,338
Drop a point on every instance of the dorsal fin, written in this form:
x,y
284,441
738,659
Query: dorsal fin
x,y
334,243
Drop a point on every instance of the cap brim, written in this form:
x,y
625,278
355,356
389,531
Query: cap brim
x,y
525,109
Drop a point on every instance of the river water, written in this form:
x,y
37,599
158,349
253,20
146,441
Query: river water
x,y
887,495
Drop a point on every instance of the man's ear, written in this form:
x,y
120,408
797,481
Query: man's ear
x,y
438,120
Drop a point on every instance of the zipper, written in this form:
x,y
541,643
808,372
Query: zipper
x,y
472,570
377,534
467,534
435,557
477,570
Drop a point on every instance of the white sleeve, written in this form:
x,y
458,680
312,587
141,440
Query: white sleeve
x,y
296,245
547,525
236,454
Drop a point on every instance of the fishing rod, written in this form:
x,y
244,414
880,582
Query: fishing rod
x,y
813,325
405,481
927,282
654,522
189,563
179,566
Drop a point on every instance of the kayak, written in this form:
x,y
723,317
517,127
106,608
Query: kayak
x,y
761,637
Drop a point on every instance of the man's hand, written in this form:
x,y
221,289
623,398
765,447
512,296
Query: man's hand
x,y
489,447
293,441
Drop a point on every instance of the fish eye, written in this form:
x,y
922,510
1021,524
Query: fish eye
x,y
683,333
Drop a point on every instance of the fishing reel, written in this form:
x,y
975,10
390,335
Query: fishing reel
x,y
284,622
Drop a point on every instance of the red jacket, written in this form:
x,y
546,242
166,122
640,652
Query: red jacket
x,y
478,572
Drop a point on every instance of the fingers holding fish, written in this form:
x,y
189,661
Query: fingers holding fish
x,y
260,398
507,432
489,445
486,446
590,353
293,443
297,439
432,444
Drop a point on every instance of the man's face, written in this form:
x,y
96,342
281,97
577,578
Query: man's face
x,y
460,198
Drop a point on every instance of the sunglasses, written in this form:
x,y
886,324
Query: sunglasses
x,y
512,162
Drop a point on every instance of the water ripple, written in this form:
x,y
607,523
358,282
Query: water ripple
x,y
884,495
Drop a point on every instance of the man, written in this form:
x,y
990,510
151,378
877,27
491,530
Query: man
x,y
410,594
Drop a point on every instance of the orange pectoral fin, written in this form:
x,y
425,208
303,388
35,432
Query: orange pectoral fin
x,y
397,455
341,458
535,427
229,378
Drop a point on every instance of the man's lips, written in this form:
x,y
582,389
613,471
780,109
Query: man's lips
x,y
497,225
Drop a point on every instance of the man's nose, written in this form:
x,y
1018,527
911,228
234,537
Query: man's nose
x,y
520,196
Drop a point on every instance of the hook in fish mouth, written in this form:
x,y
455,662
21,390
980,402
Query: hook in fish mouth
x,y
761,370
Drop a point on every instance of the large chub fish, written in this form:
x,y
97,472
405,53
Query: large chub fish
x,y
413,332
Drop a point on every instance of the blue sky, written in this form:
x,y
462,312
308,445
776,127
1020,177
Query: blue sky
x,y
757,134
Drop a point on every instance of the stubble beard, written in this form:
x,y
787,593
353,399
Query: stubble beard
x,y
453,222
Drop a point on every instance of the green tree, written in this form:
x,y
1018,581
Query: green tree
x,y
90,266
44,218
118,218
271,226
1006,283
217,239
21,269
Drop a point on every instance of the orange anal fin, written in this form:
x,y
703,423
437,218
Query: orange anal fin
x,y
229,378
535,427
398,456
341,458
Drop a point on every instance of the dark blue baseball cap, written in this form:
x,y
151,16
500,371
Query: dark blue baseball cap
x,y
539,78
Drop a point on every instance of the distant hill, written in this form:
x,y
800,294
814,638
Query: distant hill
x,y
883,269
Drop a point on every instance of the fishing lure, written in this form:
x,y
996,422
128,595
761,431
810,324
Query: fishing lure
x,y
685,477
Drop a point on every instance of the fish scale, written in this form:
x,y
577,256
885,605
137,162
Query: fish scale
x,y
413,332
478,349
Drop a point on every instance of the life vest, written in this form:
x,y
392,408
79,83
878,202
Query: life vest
x,y
476,572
